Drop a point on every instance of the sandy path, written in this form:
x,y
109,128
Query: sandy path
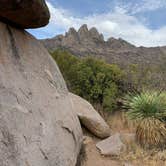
x,y
93,157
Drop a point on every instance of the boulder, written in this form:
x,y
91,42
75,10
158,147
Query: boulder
x,y
112,146
24,13
38,126
89,117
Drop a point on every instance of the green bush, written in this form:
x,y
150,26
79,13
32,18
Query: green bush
x,y
146,104
90,78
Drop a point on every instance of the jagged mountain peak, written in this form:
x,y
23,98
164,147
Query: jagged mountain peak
x,y
95,34
90,42
83,28
85,34
72,31
94,31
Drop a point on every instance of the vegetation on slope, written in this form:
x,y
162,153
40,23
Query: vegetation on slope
x,y
102,84
90,78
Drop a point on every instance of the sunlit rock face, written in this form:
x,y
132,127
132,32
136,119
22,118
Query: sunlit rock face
x,y
38,126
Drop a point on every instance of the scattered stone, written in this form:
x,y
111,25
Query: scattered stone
x,y
24,13
112,146
89,117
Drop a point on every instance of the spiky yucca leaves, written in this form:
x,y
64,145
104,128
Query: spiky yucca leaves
x,y
149,108
146,104
151,133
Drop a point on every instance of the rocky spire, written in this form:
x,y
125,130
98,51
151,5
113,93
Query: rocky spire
x,y
95,34
83,29
71,37
83,32
72,32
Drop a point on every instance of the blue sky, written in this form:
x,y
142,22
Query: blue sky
x,y
141,22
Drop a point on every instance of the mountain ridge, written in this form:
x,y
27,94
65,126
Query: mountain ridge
x,y
89,42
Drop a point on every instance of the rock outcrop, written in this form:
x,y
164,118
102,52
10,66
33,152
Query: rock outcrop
x,y
89,117
38,126
24,13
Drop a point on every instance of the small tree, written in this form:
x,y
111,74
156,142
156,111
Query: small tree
x,y
93,79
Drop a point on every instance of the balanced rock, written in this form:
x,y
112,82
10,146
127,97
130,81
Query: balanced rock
x,y
112,146
89,117
24,13
38,126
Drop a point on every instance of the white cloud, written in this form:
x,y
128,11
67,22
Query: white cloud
x,y
149,5
113,24
141,6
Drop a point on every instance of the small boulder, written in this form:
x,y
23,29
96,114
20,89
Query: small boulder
x,y
89,117
112,146
24,13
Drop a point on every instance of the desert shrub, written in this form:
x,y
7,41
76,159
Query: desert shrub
x,y
151,133
139,76
146,104
90,78
149,108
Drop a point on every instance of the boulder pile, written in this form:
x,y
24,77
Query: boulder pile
x,y
38,126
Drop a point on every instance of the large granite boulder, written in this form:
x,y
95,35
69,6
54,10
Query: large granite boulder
x,y
24,13
38,126
89,117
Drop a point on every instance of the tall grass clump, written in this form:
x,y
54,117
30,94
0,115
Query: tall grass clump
x,y
149,109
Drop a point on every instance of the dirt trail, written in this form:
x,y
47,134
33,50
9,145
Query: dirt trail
x,y
133,157
94,158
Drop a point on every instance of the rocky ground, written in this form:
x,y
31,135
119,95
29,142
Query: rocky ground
x,y
133,156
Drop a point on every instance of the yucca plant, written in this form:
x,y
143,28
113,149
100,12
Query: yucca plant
x,y
149,108
151,133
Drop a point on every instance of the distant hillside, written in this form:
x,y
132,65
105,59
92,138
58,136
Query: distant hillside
x,y
85,42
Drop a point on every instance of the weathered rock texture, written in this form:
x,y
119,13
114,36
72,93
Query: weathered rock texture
x,y
24,13
89,117
37,124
